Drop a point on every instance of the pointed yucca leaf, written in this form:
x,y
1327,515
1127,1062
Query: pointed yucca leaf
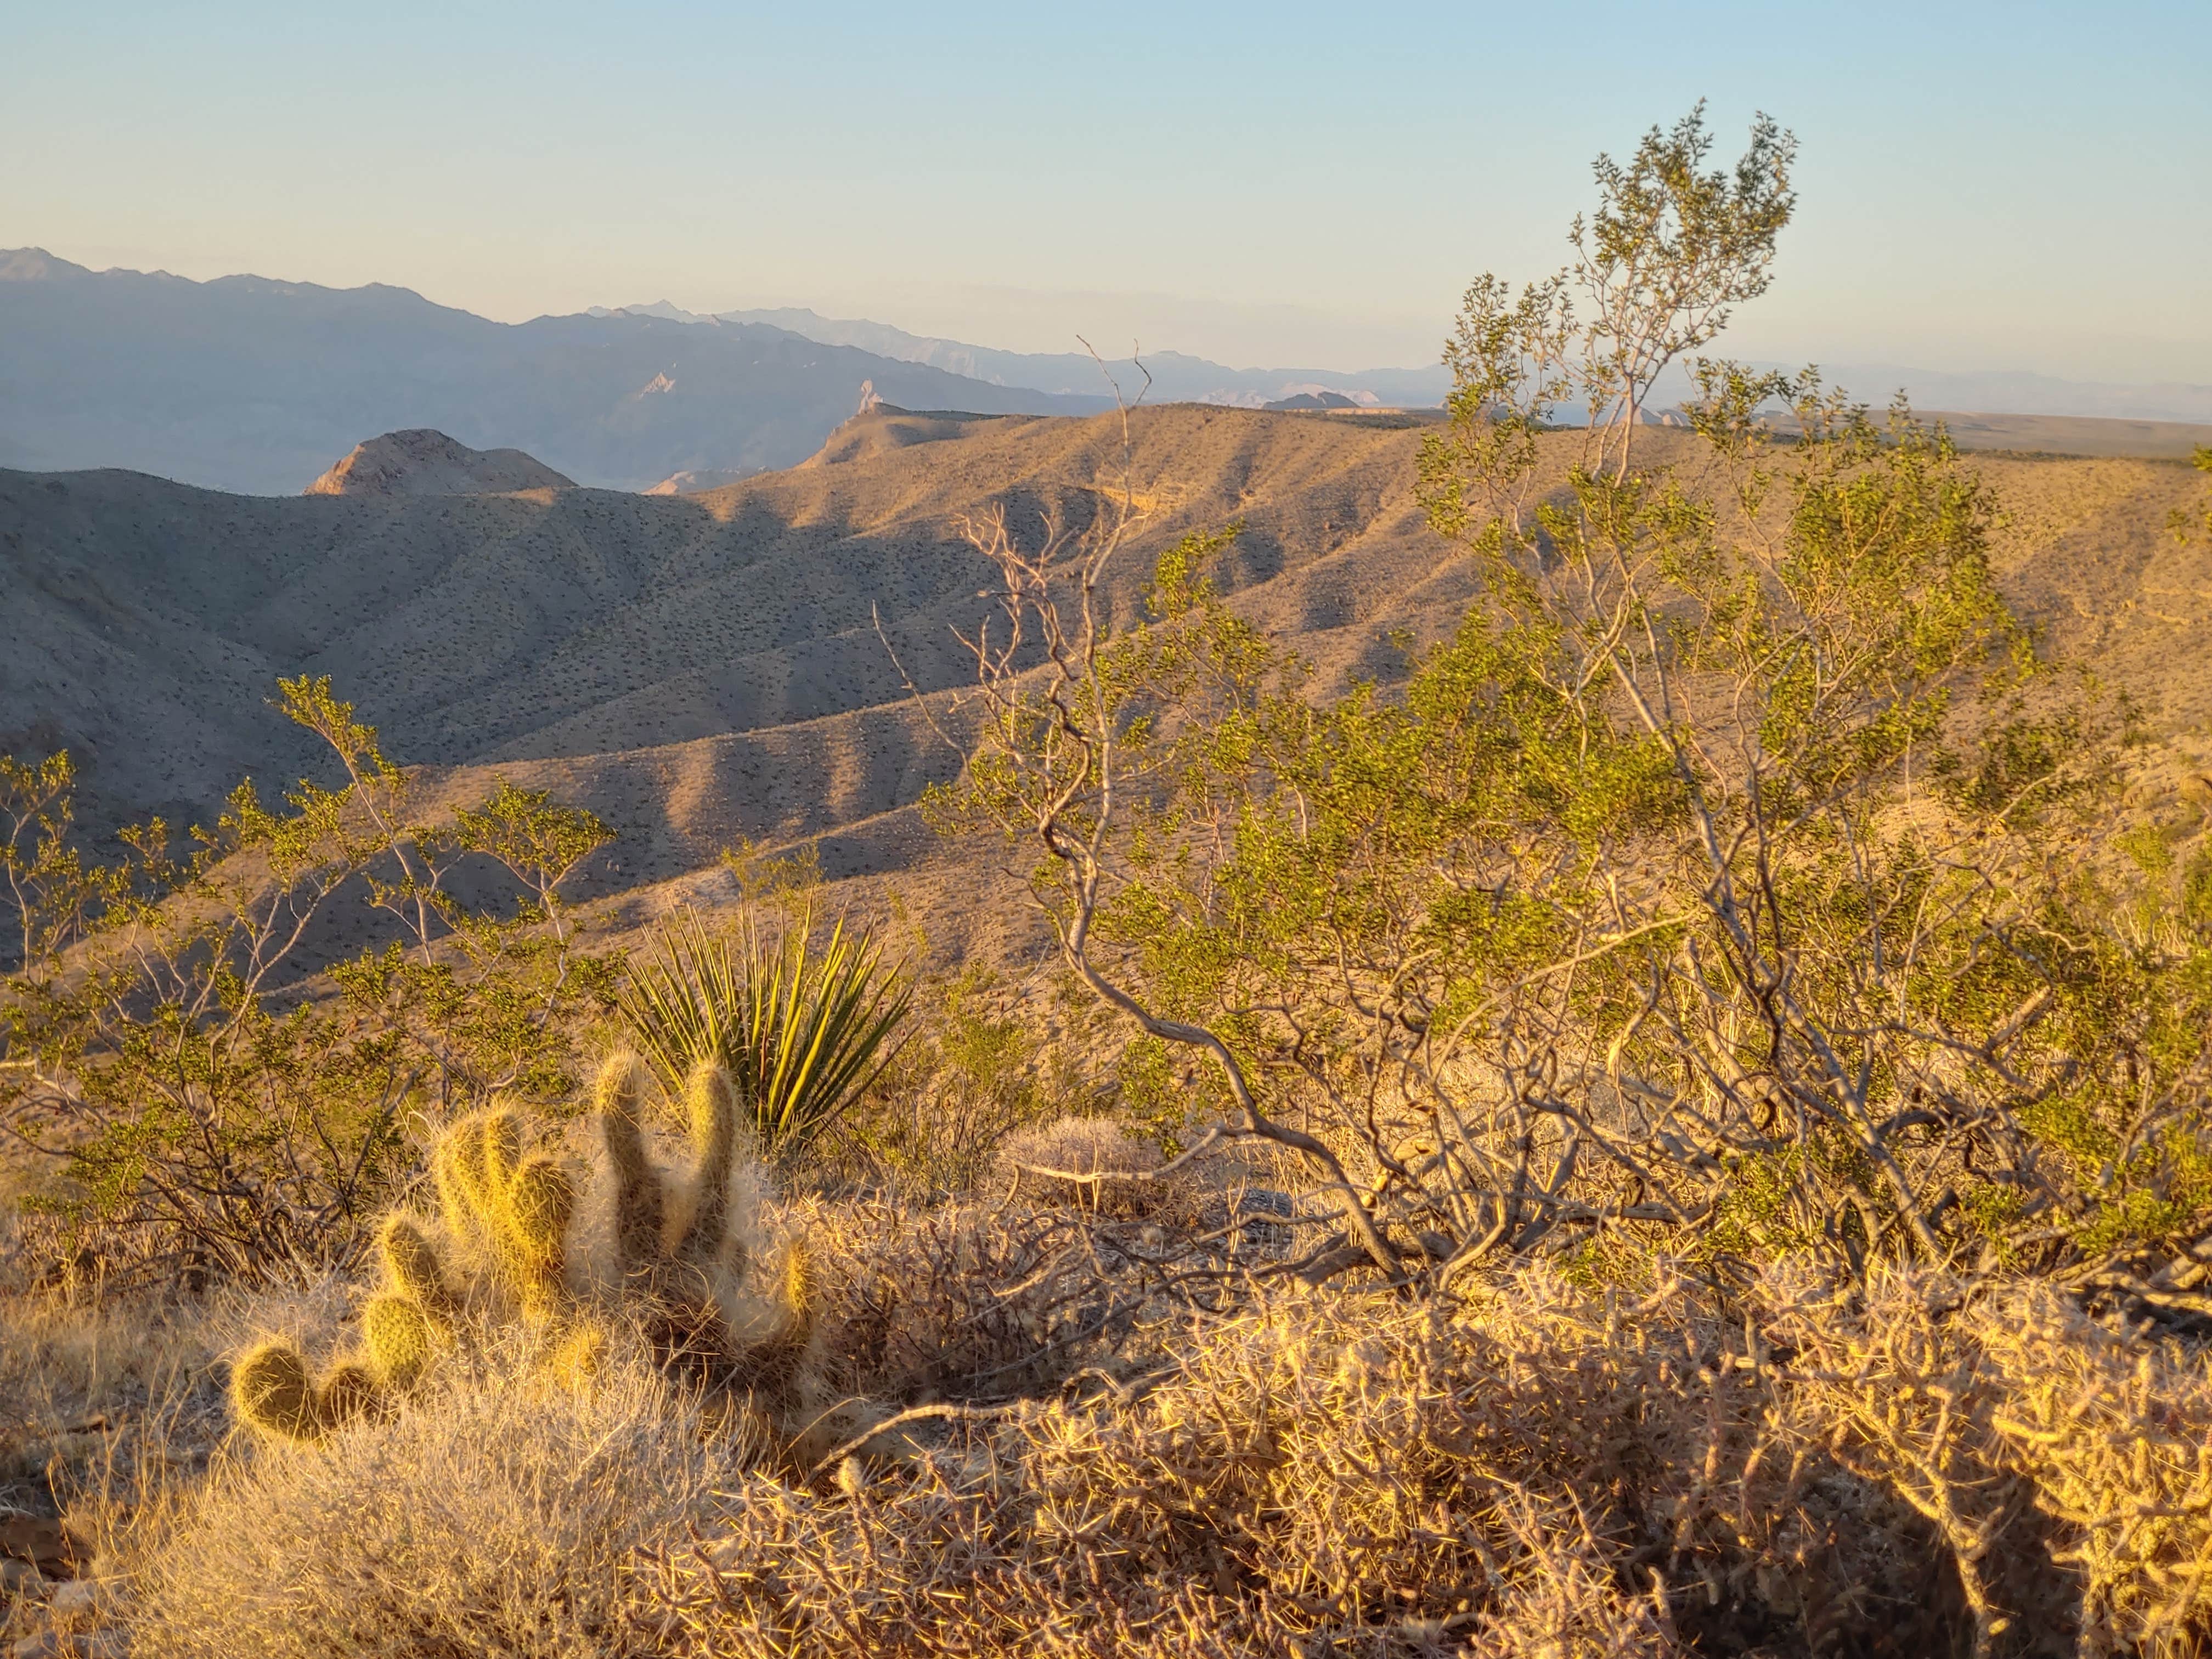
x,y
801,1032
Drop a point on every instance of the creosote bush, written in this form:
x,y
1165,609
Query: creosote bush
x,y
1736,880
197,1103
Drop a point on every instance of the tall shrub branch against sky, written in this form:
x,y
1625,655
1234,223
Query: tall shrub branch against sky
x,y
2014,185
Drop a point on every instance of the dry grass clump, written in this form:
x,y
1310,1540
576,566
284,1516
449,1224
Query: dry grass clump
x,y
492,1514
112,1407
1061,1162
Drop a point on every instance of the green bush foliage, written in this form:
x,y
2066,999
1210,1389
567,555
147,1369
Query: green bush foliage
x,y
202,1101
1736,879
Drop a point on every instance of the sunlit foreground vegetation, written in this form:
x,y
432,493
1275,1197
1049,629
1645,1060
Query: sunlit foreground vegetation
x,y
1678,1126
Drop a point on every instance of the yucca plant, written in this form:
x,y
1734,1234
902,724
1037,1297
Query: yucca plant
x,y
801,1031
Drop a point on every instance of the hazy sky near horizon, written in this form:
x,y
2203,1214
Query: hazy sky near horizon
x,y
2014,185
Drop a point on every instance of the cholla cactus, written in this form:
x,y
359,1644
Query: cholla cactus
x,y
688,1240
411,1319
675,1248
513,1210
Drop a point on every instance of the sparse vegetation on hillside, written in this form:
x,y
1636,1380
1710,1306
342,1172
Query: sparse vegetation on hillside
x,y
200,1104
1678,1125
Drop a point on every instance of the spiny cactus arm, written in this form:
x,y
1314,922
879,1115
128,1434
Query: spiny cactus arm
x,y
401,1338
539,1202
271,1391
579,1355
348,1390
463,1181
413,1270
641,1203
801,1286
792,1299
714,1113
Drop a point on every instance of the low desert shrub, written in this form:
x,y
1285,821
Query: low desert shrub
x,y
203,1096
966,1301
1076,1160
1110,1461
494,1515
2065,1463
1543,1468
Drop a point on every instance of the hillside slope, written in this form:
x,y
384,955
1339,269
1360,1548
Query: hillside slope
x,y
703,667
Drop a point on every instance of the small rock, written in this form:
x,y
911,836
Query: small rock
x,y
19,1578
111,1644
44,1542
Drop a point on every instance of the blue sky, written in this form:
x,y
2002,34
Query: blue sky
x,y
1981,186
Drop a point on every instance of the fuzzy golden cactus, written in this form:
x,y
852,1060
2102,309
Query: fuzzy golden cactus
x,y
272,1390
641,1199
688,1238
400,1338
514,1208
412,1268
712,1107
674,1250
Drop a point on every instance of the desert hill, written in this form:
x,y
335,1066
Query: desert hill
x,y
427,463
702,667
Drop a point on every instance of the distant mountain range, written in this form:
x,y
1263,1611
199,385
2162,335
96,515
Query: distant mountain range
x,y
1176,378
257,386
2011,391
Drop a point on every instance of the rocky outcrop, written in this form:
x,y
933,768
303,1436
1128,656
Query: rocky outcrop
x,y
699,480
426,462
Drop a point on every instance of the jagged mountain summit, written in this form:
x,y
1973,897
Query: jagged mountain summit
x,y
422,462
